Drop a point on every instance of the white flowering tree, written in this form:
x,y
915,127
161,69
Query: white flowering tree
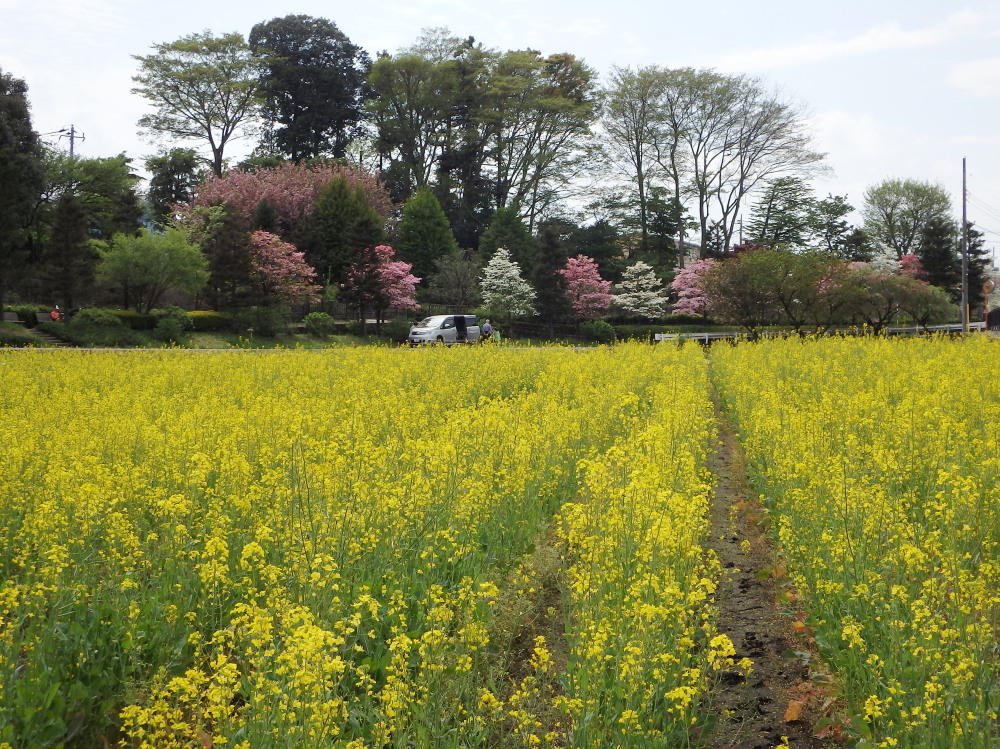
x,y
505,292
641,292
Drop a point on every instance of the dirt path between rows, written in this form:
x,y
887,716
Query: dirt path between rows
x,y
755,712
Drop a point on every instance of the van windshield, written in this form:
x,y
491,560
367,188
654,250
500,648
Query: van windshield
x,y
426,322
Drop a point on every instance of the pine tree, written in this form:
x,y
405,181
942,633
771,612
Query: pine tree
x,y
342,225
69,260
424,233
508,231
939,255
20,177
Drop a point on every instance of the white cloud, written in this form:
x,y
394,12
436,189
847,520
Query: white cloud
x,y
979,78
876,39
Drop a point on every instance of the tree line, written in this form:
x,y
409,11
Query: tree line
x,y
445,152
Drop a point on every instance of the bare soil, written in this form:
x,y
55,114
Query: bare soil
x,y
783,696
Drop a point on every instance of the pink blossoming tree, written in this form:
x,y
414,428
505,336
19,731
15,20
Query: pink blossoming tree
x,y
588,293
280,273
378,282
691,300
291,189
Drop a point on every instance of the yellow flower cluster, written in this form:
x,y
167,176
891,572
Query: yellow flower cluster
x,y
878,461
307,548
641,583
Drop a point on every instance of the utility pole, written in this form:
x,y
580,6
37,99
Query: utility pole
x,y
965,257
72,137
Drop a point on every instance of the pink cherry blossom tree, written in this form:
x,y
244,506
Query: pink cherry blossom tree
x,y
378,282
280,272
588,293
691,300
291,189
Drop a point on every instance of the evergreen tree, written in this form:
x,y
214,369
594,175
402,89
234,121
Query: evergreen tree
x,y
21,178
70,259
174,176
225,240
939,256
550,287
424,233
508,231
456,280
979,265
342,224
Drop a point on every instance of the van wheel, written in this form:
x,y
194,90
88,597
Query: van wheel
x,y
440,339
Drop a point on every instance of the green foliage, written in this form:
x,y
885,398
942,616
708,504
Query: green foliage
x,y
93,317
173,178
201,87
319,324
896,211
397,330
424,233
506,230
131,318
13,334
145,267
599,331
70,258
21,177
342,224
259,321
171,322
312,85
205,321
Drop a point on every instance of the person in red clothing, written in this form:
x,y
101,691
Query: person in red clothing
x,y
56,314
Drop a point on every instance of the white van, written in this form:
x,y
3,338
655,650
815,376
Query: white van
x,y
447,329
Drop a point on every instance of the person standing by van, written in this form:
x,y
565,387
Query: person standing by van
x,y
486,333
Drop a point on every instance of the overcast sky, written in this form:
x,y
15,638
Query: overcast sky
x,y
892,88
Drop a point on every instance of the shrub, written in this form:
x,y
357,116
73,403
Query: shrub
x,y
208,320
599,331
318,324
171,324
262,321
96,318
26,313
397,331
133,319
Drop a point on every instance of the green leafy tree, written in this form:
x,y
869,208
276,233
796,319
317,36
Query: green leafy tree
x,y
455,281
895,212
508,231
980,260
782,216
202,87
312,83
424,233
21,178
145,267
174,176
342,224
410,109
222,233
106,188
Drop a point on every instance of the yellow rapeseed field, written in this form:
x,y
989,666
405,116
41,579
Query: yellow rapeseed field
x,y
323,549
878,461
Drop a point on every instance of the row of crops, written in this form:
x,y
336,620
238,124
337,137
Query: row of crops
x,y
484,547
